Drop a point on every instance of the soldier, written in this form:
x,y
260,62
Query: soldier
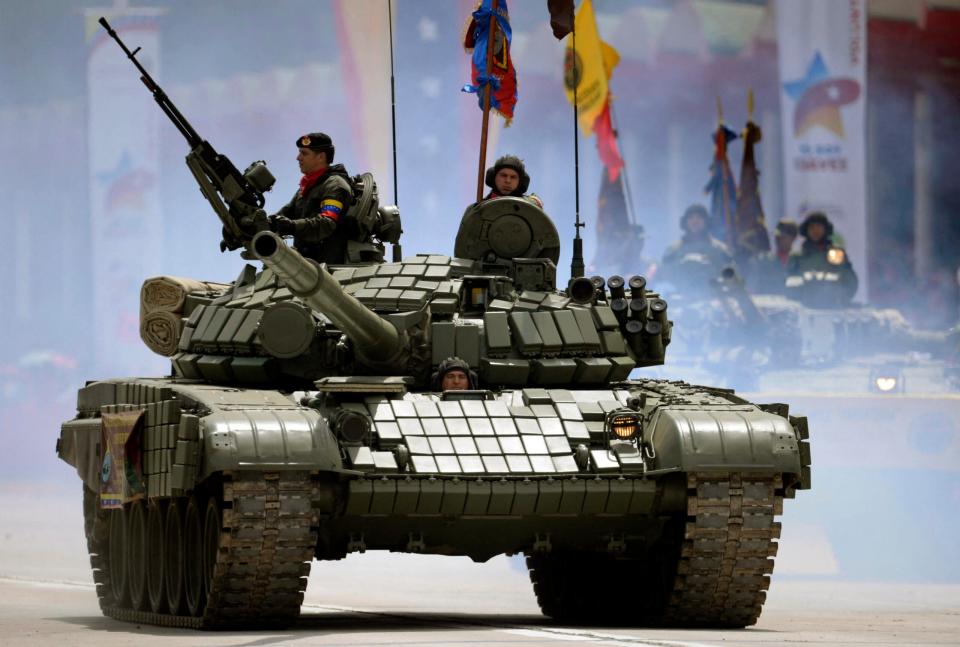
x,y
508,178
767,273
820,275
454,374
316,217
695,260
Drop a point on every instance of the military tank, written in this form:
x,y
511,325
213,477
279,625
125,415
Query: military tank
x,y
771,343
299,422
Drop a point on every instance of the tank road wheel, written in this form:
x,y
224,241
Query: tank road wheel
x,y
193,553
137,554
156,558
97,527
211,544
565,584
117,556
173,557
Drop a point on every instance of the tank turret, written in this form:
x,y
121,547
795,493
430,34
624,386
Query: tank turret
x,y
373,338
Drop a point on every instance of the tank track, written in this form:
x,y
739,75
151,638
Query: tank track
x,y
729,542
267,540
711,569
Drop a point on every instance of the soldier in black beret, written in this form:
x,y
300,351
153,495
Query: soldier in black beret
x,y
317,215
508,178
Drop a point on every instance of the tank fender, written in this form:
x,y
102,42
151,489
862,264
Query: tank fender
x,y
276,439
740,438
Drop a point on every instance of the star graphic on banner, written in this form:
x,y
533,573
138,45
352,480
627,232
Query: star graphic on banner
x,y
819,97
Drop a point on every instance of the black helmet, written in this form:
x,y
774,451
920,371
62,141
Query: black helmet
x,y
694,210
509,161
452,364
320,142
817,216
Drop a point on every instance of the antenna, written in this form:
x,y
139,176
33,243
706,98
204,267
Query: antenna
x,y
397,254
576,261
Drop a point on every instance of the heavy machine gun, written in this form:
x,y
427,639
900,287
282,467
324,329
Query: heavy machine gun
x,y
237,198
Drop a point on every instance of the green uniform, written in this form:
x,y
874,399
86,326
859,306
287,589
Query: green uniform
x,y
693,262
320,216
821,276
766,274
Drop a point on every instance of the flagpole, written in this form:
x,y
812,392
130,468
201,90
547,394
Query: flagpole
x,y
576,261
491,34
727,225
624,181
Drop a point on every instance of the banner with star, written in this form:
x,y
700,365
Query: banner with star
x,y
823,55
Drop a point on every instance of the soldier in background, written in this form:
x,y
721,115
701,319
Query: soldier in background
x,y
316,216
820,275
694,261
454,374
767,272
508,178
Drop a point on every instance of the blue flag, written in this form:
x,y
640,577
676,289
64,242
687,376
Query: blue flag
x,y
502,77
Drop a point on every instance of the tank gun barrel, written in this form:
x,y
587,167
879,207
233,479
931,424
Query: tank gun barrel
x,y
374,338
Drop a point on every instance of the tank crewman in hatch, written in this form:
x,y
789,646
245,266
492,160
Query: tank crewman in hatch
x,y
820,275
454,374
695,260
508,178
767,272
316,217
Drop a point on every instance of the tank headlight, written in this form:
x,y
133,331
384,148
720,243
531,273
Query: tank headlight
x,y
624,426
885,383
835,256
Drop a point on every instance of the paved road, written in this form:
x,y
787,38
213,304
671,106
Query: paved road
x,y
40,614
46,598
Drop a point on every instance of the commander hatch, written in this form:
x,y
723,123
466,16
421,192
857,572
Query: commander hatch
x,y
512,237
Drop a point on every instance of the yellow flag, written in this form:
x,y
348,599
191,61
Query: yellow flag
x,y
589,69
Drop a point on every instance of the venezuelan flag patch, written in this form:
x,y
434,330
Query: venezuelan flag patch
x,y
331,209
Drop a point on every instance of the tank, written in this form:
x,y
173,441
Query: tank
x,y
301,421
772,343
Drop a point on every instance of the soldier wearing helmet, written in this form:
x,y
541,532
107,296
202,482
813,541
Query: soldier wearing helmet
x,y
316,216
820,275
692,263
508,178
454,374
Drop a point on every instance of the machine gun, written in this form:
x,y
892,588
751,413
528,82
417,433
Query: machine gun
x,y
237,198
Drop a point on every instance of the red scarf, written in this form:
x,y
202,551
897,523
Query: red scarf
x,y
308,180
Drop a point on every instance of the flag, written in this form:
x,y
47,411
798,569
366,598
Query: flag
x,y
721,187
561,17
750,230
588,69
607,146
502,78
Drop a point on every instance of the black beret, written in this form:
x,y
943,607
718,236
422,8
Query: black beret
x,y
787,226
315,141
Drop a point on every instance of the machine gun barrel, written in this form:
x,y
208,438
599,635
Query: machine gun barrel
x,y
373,337
181,123
236,198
